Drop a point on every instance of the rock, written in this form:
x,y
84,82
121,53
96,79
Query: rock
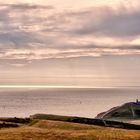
x,y
127,111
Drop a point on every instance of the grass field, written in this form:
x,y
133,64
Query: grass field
x,y
55,130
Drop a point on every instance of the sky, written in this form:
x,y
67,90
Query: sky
x,y
88,43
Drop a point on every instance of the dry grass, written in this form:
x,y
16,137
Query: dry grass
x,y
54,130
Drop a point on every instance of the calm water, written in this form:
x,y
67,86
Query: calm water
x,y
76,102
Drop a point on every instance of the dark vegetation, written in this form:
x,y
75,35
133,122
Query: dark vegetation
x,y
7,125
99,122
15,122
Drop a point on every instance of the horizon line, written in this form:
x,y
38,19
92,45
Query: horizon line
x,y
45,86
62,86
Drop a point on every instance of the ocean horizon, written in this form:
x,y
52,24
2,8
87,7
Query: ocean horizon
x,y
81,102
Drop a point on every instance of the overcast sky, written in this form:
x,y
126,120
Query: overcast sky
x,y
92,43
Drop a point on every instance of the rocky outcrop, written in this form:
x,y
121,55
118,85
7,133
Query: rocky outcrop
x,y
127,111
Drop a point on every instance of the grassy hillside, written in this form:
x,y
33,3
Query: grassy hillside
x,y
55,130
100,122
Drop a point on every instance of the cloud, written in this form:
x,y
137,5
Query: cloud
x,y
26,6
30,54
115,24
31,32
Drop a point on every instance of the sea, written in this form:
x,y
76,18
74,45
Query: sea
x,y
82,102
